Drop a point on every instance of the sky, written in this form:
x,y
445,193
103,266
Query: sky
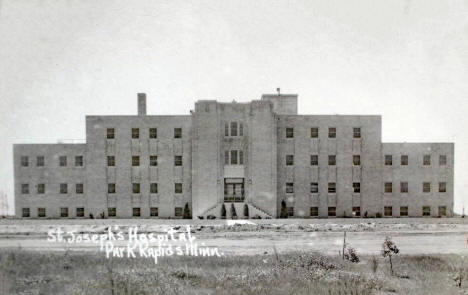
x,y
61,60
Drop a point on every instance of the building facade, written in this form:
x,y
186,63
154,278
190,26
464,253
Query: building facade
x,y
257,159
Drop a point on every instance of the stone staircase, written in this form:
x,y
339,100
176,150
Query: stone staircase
x,y
239,206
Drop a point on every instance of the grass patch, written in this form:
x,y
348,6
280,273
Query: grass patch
x,y
295,273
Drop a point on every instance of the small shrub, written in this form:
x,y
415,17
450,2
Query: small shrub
x,y
233,212
187,214
388,250
223,211
352,255
283,213
374,264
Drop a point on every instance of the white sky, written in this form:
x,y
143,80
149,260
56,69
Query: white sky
x,y
406,60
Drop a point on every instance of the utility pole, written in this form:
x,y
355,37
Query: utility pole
x,y
344,245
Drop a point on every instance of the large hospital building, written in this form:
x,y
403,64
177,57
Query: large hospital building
x,y
259,158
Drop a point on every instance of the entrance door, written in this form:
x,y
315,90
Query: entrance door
x,y
233,190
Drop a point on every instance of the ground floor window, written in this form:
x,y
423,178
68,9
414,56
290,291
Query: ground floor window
x,y
41,212
63,212
388,211
290,211
80,212
26,212
112,212
442,211
154,211
403,211
313,211
356,211
178,211
136,212
426,211
331,211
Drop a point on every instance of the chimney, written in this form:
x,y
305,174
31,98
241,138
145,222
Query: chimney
x,y
141,104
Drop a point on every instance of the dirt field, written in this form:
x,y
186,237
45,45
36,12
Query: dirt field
x,y
415,236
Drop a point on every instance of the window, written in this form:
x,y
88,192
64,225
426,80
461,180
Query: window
x,y
442,160
331,187
314,160
313,211
332,160
226,157
388,211
41,212
135,160
41,188
356,132
289,187
177,132
289,160
332,132
136,187
79,188
403,187
24,161
178,188
427,160
63,188
26,212
111,188
63,212
426,211
135,133
177,160
78,161
226,129
241,129
110,133
442,187
331,211
356,211
289,132
404,211
153,188
356,160
241,158
136,212
388,187
404,160
314,187
442,211
426,187
314,132
357,187
154,212
40,161
234,157
178,211
290,211
112,212
153,160
25,188
153,133
388,160
110,160
63,161
233,128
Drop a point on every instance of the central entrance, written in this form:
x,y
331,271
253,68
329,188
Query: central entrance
x,y
234,190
